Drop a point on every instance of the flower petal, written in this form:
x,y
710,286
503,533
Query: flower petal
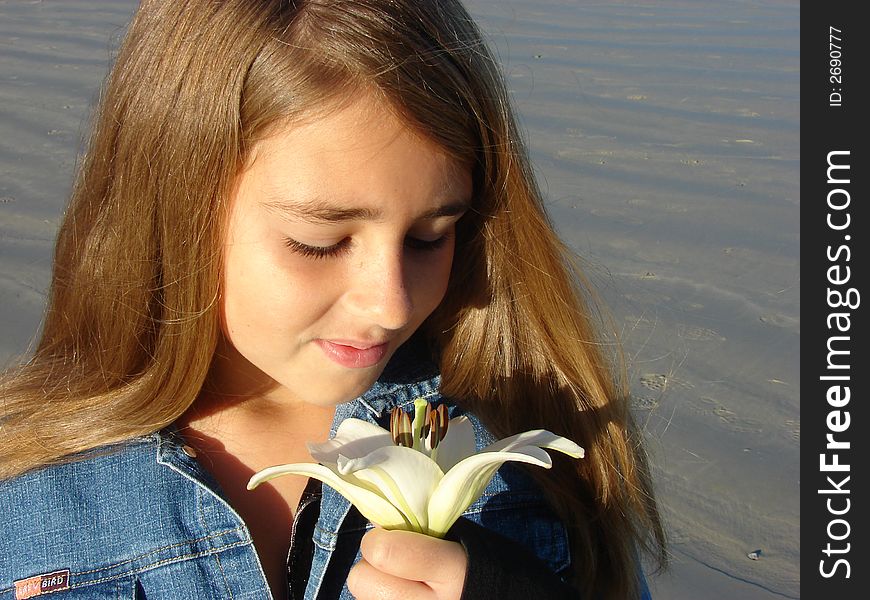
x,y
404,476
457,444
465,482
540,438
374,507
354,438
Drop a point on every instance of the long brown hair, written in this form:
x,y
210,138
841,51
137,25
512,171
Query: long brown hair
x,y
132,318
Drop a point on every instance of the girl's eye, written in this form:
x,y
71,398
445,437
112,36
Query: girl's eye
x,y
317,251
427,245
337,249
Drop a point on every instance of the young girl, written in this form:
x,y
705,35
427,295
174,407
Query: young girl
x,y
291,213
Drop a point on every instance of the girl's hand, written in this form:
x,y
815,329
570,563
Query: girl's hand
x,y
404,565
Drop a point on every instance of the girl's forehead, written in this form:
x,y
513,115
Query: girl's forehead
x,y
367,123
357,151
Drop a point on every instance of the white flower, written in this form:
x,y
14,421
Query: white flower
x,y
421,475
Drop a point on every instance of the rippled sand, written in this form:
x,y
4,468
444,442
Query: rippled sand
x,y
666,137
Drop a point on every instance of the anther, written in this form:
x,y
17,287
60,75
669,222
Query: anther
x,y
437,426
400,428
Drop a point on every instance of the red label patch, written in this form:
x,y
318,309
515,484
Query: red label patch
x,y
41,584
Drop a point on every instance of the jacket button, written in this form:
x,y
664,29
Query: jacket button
x,y
189,451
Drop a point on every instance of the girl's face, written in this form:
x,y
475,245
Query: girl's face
x,y
339,245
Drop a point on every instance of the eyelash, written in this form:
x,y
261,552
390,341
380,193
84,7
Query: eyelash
x,y
318,252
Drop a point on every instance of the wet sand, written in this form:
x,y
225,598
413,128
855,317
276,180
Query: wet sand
x,y
666,136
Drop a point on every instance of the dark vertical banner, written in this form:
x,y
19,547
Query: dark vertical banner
x,y
835,420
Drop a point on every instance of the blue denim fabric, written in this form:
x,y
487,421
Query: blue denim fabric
x,y
144,520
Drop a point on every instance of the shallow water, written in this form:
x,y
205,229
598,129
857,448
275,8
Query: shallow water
x,y
666,135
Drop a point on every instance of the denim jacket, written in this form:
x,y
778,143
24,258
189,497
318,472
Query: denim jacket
x,y
144,520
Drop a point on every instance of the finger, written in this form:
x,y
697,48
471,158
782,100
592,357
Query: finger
x,y
415,556
365,582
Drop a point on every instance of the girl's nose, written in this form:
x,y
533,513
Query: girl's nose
x,y
380,292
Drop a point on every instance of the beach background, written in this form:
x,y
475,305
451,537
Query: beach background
x,y
666,137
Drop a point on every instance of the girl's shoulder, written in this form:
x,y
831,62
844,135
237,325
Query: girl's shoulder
x,y
57,495
108,516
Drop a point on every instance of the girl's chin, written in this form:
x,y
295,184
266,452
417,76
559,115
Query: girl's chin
x,y
332,391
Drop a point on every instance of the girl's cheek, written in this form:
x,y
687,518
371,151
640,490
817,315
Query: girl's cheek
x,y
432,274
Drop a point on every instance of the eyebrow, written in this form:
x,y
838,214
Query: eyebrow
x,y
316,211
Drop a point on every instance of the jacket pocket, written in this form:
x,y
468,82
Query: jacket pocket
x,y
525,518
115,589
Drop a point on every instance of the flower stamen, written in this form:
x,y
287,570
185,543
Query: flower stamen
x,y
436,428
425,432
400,428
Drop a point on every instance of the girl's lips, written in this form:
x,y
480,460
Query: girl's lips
x,y
352,357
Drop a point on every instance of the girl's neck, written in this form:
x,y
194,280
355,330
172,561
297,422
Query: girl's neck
x,y
234,440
